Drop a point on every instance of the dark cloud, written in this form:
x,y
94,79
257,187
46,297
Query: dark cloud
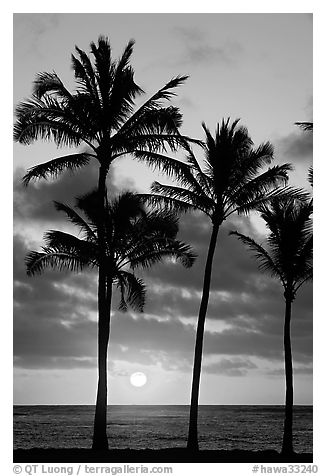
x,y
296,147
49,362
195,229
36,201
55,314
58,329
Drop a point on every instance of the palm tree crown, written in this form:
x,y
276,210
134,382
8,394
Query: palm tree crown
x,y
134,238
230,179
288,255
100,113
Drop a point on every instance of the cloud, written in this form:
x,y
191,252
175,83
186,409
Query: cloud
x,y
35,202
190,34
53,328
197,50
297,146
231,367
56,313
297,370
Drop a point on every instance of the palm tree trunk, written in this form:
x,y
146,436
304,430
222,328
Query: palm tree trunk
x,y
193,419
287,447
100,441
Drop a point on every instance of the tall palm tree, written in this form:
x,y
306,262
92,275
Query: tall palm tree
x,y
230,181
288,257
102,116
133,238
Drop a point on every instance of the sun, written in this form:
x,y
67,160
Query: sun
x,y
138,379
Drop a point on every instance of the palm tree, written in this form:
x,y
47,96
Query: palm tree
x,y
289,259
229,182
100,115
133,238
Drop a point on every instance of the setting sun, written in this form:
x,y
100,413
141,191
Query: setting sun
x,y
138,379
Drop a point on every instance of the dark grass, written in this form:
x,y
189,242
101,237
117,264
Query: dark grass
x,y
168,455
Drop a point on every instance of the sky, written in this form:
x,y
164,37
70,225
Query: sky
x,y
256,67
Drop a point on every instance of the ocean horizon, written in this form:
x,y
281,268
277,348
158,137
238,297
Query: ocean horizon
x,y
220,427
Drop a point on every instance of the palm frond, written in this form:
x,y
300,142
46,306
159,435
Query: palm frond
x,y
306,126
306,277
264,199
47,83
118,102
259,187
161,202
151,237
152,142
85,75
153,103
304,261
133,291
290,241
36,261
163,223
56,166
154,250
201,178
179,194
60,241
77,220
289,220
248,165
266,262
90,204
156,130
51,119
171,167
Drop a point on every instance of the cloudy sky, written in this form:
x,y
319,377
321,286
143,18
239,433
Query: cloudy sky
x,y
257,67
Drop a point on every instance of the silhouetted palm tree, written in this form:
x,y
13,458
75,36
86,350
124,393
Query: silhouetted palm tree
x,y
101,115
230,181
133,238
288,257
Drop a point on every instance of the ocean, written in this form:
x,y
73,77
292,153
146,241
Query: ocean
x,y
247,427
